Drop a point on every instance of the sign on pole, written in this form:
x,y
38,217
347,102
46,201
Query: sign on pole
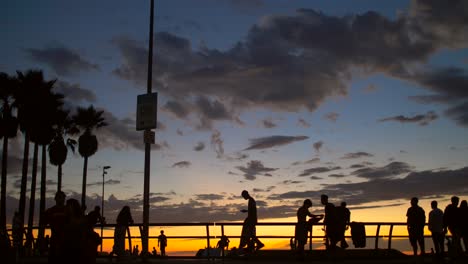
x,y
147,110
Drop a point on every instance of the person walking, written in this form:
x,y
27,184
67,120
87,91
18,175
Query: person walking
x,y
416,219
436,226
249,234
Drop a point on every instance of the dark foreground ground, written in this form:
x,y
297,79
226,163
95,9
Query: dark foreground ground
x,y
280,256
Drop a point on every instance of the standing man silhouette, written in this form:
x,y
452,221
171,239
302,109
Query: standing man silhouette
x,y
162,243
436,226
249,234
416,219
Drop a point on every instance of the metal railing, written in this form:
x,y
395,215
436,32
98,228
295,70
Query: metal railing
x,y
221,226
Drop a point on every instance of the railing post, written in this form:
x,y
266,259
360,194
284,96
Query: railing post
x,y
390,237
208,239
377,237
310,238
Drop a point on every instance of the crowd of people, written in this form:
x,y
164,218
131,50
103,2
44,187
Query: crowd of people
x,y
72,231
454,219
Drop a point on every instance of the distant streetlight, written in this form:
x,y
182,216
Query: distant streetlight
x,y
104,172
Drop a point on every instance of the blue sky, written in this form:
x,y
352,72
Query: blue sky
x,y
287,99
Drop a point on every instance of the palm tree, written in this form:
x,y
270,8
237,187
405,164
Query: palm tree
x,y
8,129
87,119
58,148
36,103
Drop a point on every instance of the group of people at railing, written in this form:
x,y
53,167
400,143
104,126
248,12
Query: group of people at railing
x,y
72,232
454,219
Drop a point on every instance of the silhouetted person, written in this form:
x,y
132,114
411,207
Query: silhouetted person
x,y
343,217
464,223
55,217
154,252
303,226
95,217
136,251
223,243
123,220
416,219
331,224
249,233
436,226
75,233
162,243
452,223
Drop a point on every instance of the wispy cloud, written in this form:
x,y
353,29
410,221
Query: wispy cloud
x,y
273,141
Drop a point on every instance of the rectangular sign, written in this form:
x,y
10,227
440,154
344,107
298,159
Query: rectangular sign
x,y
147,111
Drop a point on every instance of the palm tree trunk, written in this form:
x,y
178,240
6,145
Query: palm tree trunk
x,y
24,181
59,178
32,198
4,180
3,191
83,191
40,235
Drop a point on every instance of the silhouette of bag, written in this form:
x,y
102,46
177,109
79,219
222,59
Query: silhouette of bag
x,y
358,234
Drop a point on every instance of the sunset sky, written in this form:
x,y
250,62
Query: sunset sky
x,y
366,101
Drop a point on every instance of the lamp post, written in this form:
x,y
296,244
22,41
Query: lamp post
x,y
104,172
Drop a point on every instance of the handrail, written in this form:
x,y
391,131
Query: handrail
x,y
222,226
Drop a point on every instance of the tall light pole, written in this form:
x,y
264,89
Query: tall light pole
x,y
104,172
148,132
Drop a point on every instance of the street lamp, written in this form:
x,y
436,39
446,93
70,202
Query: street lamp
x,y
104,172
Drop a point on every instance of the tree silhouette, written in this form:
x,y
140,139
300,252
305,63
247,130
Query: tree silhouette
x,y
87,119
8,129
58,148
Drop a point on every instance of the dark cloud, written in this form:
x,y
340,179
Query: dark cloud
x,y
120,134
388,171
177,108
181,164
332,116
209,197
289,182
217,143
303,123
268,189
422,119
315,178
273,141
108,182
419,184
336,175
295,62
268,123
311,171
318,145
459,113
74,92
253,169
357,155
61,59
199,147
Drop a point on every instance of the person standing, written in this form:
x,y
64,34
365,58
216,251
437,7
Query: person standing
x,y
249,234
303,226
330,222
162,243
55,217
464,223
123,220
343,219
452,223
416,219
436,226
